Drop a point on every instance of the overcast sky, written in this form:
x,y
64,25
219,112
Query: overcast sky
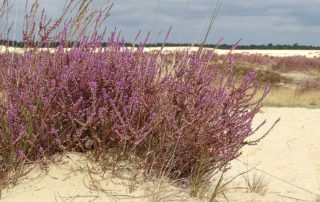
x,y
254,21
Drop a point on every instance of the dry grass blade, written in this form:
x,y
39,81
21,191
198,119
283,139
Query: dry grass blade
x,y
5,9
213,19
295,199
96,186
86,15
217,189
256,183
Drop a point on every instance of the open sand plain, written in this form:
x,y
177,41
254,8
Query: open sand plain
x,y
275,53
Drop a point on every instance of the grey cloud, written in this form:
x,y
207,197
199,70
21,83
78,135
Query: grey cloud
x,y
256,21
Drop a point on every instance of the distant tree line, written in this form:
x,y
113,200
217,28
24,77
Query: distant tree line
x,y
294,46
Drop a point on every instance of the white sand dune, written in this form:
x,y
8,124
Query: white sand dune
x,y
287,159
275,53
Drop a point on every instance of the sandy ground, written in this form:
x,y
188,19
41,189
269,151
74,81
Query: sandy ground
x,y
74,178
276,53
287,159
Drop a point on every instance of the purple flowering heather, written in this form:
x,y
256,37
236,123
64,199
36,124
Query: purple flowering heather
x,y
190,113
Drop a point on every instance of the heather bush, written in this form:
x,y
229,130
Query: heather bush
x,y
297,63
263,75
125,100
282,64
189,116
